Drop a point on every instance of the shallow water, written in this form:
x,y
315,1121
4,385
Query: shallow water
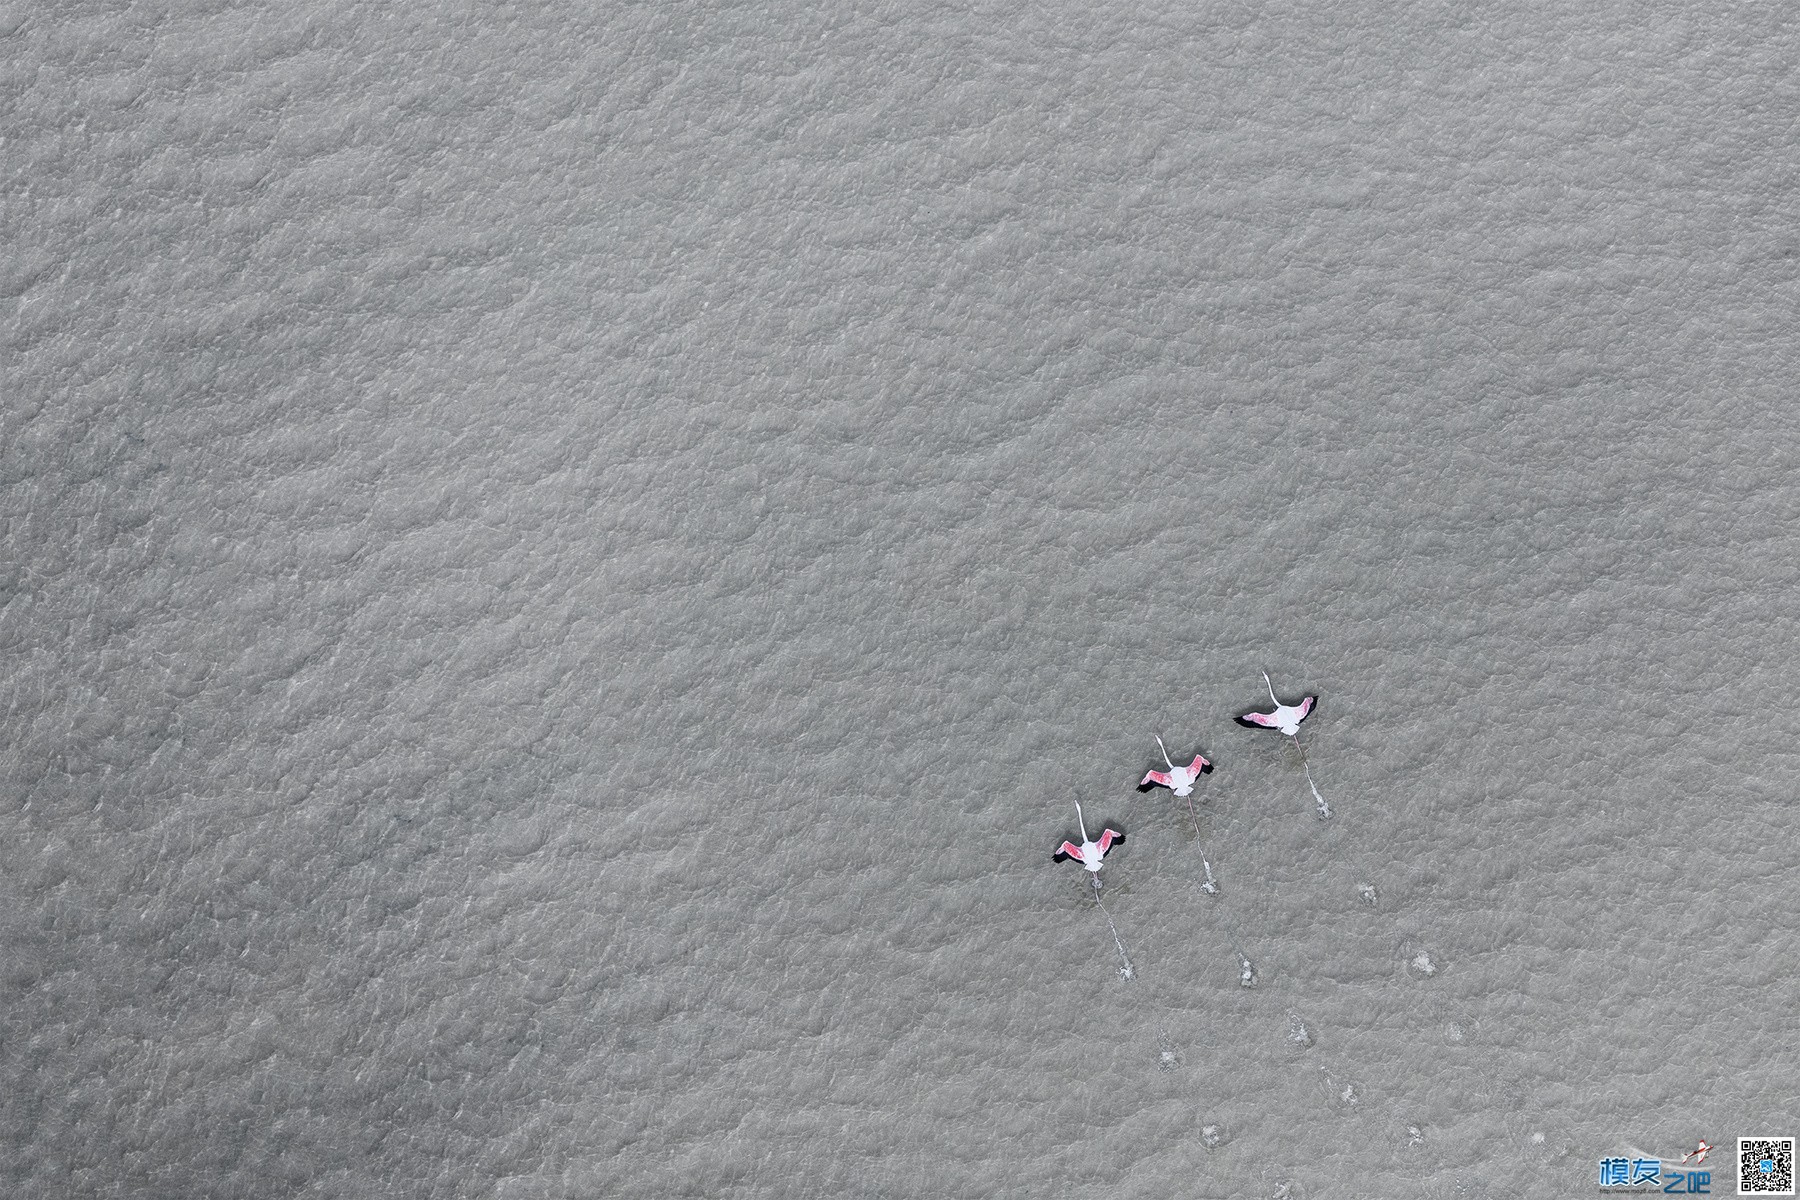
x,y
564,572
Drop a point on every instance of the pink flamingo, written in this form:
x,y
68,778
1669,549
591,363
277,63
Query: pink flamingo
x,y
1286,717
1179,780
1286,720
1092,854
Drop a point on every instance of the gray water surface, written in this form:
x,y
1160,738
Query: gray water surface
x,y
565,566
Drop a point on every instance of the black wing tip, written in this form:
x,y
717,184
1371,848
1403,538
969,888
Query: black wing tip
x,y
1059,856
1145,787
1247,723
1207,769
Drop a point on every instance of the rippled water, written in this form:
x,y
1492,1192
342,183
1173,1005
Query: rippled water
x,y
564,569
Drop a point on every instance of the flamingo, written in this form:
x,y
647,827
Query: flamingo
x,y
1286,717
1092,854
1286,720
1089,854
1179,780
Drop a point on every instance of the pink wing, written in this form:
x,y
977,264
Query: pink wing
x,y
1108,836
1154,777
1067,850
1306,706
1199,766
1266,720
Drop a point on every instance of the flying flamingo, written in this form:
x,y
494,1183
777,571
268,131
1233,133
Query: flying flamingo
x,y
1286,717
1092,854
1180,780
1286,720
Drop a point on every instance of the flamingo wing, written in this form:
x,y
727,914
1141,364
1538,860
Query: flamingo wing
x,y
1067,851
1109,837
1306,706
1262,719
1199,766
1151,779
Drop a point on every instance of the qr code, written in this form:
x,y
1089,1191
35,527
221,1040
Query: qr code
x,y
1766,1166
